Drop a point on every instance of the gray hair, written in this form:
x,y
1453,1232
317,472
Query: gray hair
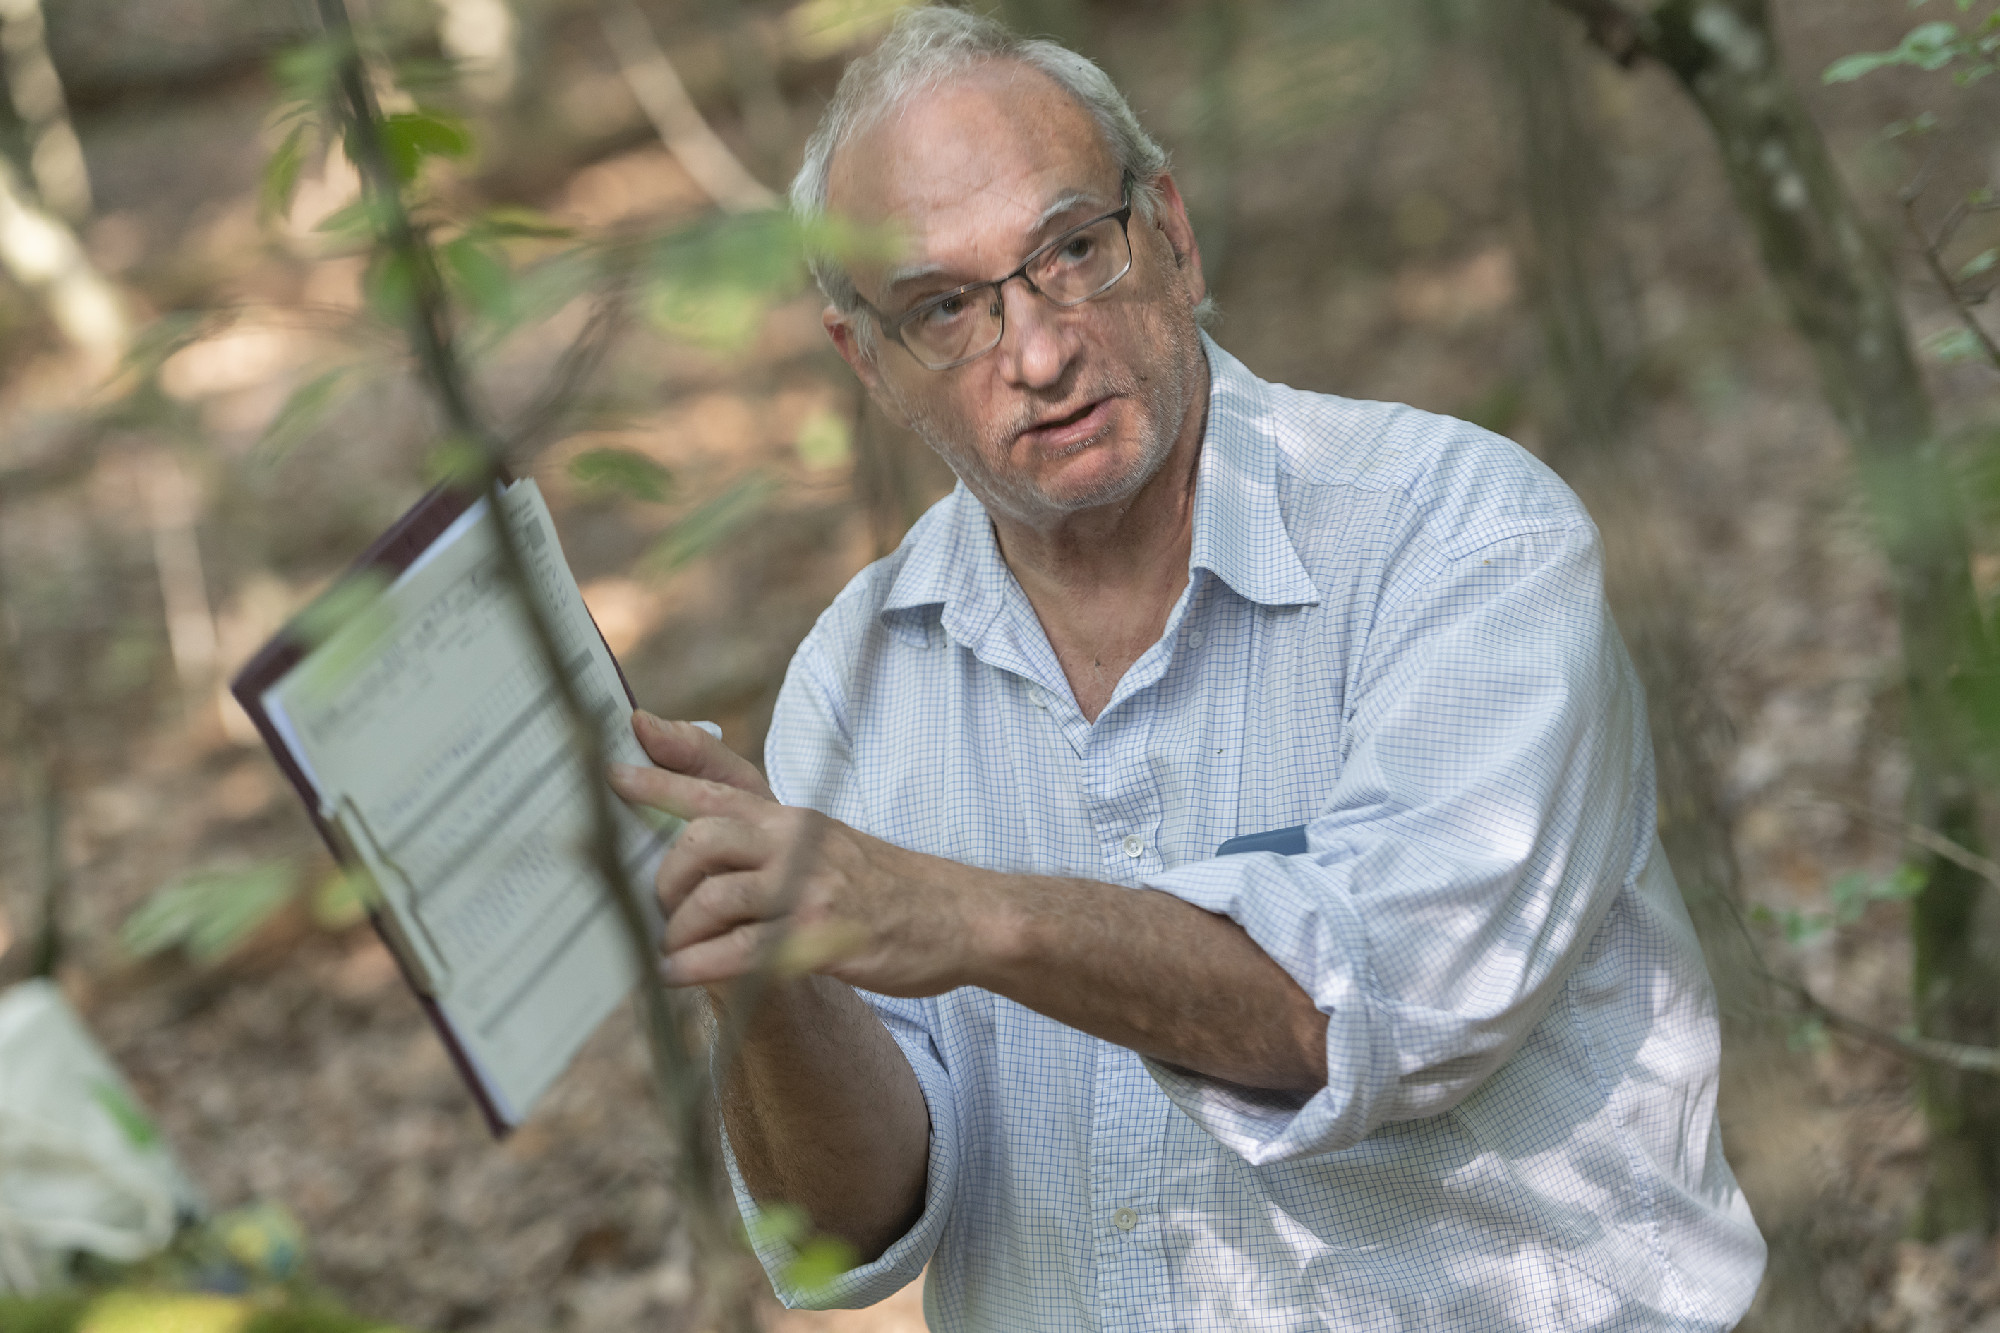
x,y
928,45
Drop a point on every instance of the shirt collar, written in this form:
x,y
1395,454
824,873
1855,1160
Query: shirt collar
x,y
1239,526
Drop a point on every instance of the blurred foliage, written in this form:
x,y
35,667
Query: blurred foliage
x,y
817,1260
609,472
1939,44
208,913
136,1311
239,1272
1849,897
708,524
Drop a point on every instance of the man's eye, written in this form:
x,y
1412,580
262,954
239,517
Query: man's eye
x,y
943,312
1078,248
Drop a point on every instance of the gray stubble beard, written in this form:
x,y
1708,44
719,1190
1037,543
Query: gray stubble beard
x,y
1167,395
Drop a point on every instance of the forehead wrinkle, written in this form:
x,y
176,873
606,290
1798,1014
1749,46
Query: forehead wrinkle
x,y
995,143
903,274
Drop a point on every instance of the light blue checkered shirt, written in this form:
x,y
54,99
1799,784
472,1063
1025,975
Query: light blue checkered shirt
x,y
1394,632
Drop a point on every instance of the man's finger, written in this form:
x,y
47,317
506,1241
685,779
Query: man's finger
x,y
679,794
685,748
719,906
724,958
710,846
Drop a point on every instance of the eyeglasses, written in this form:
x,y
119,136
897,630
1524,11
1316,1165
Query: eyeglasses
x,y
954,328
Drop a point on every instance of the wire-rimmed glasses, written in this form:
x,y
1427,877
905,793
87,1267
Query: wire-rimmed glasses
x,y
967,322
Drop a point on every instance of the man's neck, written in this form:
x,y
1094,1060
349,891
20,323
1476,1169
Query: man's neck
x,y
1103,581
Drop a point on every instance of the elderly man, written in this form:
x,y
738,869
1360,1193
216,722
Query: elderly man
x,y
1440,1055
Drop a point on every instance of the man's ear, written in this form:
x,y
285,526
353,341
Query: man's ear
x,y
1170,216
846,335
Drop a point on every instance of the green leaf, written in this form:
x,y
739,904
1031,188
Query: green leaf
x,y
820,1262
480,275
1849,68
1979,264
306,73
302,411
344,626
509,221
390,286
543,288
343,899
607,472
709,524
362,220
823,441
138,1127
457,462
712,283
1954,345
1928,46
408,137
1801,928
210,912
780,1224
281,173
1809,1035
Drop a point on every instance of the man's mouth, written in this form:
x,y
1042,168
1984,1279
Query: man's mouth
x,y
1072,429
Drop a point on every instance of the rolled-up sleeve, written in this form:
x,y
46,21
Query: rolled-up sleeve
x,y
806,759
900,1264
1494,797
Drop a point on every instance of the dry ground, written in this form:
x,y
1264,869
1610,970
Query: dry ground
x,y
1375,249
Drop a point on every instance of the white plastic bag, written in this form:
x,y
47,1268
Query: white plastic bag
x,y
81,1165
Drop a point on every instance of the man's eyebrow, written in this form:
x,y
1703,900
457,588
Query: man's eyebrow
x,y
908,275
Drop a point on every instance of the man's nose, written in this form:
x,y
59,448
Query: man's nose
x,y
1037,342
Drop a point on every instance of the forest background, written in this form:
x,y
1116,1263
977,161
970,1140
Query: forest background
x,y
207,408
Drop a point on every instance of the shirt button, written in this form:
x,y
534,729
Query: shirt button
x,y
1198,638
1125,1219
1040,697
1135,846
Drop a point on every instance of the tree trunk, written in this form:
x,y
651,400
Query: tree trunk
x,y
1840,292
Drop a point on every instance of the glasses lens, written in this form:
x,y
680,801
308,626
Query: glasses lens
x,y
953,327
1083,263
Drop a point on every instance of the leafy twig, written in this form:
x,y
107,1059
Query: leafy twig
x,y
1934,261
1956,1055
678,1078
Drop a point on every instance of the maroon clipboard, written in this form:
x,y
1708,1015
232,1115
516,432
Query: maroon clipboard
x,y
390,554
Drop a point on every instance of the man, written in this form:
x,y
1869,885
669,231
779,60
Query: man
x,y
1447,1061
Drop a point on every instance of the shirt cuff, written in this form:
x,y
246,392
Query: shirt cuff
x,y
904,1260
1294,912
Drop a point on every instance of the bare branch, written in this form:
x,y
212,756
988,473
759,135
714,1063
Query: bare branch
x,y
55,158
1620,33
1955,1055
664,99
1934,261
1927,838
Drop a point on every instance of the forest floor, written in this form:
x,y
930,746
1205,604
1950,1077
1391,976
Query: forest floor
x,y
1374,247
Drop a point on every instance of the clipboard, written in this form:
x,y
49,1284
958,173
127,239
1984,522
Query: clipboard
x,y
392,554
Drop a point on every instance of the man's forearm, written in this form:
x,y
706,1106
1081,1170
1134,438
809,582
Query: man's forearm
x,y
825,1114
1147,971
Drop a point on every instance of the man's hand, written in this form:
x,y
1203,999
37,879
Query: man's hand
x,y
750,881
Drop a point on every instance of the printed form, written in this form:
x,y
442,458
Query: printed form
x,y
437,740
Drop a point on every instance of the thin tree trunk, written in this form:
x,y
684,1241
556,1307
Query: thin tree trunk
x,y
1840,292
55,157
